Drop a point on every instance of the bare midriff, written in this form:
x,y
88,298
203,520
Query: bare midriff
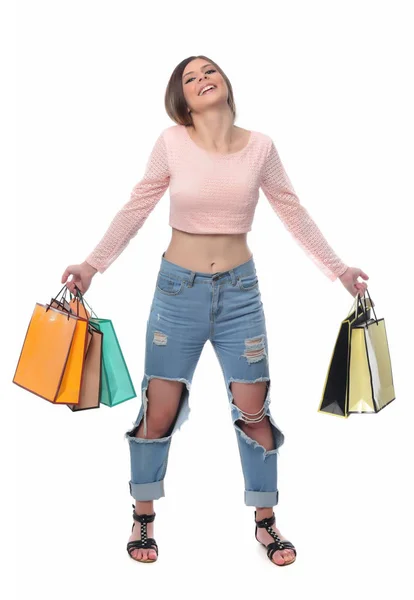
x,y
207,253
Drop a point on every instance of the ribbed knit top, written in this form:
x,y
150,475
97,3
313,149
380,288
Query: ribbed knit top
x,y
213,192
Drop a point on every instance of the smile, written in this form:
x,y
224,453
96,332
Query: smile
x,y
209,90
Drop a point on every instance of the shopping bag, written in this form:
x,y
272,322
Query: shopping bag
x,y
359,378
77,304
91,380
116,382
89,396
73,376
71,306
117,385
51,359
371,384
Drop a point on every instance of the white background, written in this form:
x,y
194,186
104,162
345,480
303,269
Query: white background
x,y
330,82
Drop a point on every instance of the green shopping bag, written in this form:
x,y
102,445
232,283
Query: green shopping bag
x,y
116,382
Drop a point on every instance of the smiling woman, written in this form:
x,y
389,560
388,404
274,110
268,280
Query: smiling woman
x,y
207,289
185,85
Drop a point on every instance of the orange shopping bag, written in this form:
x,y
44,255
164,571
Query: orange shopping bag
x,y
65,306
52,357
91,375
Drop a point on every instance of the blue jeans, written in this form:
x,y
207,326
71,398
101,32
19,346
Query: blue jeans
x,y
189,308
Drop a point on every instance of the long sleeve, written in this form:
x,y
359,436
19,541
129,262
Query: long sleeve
x,y
281,195
144,196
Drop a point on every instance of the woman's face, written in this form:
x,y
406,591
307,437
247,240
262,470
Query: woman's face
x,y
197,74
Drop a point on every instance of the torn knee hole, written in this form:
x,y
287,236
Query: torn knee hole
x,y
253,341
254,355
255,349
160,338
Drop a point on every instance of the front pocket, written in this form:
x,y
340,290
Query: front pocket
x,y
248,282
168,284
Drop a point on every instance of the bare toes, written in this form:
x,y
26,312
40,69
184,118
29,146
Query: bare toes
x,y
278,558
288,555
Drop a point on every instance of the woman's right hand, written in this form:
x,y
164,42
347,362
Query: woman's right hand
x,y
81,277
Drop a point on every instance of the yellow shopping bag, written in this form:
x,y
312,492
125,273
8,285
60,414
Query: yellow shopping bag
x,y
359,378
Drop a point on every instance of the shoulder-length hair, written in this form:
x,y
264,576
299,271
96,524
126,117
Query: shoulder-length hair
x,y
175,103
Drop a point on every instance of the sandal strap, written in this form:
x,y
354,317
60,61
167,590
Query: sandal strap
x,y
275,546
266,522
143,517
136,544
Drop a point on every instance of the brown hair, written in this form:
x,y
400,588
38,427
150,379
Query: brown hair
x,y
175,103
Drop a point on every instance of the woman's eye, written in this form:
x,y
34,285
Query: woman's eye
x,y
209,71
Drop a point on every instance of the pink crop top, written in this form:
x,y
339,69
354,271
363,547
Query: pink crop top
x,y
214,193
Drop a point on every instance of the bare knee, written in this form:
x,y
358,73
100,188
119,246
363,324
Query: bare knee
x,y
250,400
163,400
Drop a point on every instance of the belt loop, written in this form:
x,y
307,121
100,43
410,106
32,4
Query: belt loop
x,y
233,277
191,278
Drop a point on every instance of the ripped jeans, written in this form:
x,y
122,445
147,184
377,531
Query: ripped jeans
x,y
189,308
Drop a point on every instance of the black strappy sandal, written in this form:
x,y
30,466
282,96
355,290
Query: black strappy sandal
x,y
278,544
145,542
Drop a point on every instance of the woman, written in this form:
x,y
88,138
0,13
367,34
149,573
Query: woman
x,y
207,289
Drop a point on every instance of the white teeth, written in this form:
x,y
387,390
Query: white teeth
x,y
208,87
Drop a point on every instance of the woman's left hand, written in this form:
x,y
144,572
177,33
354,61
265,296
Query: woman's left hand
x,y
350,281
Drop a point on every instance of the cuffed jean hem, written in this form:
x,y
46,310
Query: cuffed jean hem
x,y
147,491
261,499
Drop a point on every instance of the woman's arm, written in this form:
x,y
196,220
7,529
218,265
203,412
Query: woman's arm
x,y
282,197
126,223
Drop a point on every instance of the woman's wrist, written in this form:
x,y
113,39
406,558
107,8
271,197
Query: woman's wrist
x,y
90,268
343,273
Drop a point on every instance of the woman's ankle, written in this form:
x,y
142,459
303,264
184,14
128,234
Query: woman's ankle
x,y
144,507
265,512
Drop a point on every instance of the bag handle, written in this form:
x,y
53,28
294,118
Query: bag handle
x,y
358,301
82,298
78,296
62,301
64,289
